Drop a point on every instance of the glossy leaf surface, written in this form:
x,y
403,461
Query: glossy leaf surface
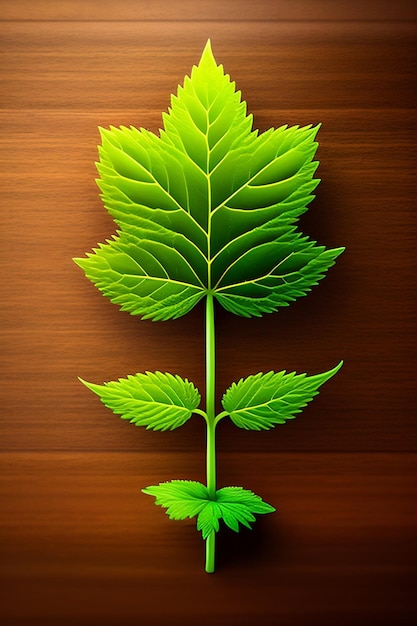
x,y
155,400
180,498
186,498
264,400
208,206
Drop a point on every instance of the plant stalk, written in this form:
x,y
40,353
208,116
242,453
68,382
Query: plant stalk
x,y
211,425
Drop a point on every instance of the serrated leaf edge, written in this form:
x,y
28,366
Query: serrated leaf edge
x,y
212,509
236,414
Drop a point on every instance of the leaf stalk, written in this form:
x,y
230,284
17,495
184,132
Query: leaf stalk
x,y
211,422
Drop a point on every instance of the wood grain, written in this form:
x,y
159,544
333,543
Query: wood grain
x,y
81,545
68,81
206,10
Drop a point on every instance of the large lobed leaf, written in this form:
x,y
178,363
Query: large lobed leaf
x,y
155,400
207,206
263,400
187,498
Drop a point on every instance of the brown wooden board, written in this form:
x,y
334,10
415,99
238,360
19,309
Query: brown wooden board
x,y
81,545
207,10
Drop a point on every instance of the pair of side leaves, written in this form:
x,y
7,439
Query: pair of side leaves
x,y
164,402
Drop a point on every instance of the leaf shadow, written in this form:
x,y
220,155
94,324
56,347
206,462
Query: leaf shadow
x,y
264,544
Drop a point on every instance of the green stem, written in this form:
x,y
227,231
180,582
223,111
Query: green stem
x,y
210,552
211,424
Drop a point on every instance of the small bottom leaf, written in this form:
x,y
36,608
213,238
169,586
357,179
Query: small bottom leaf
x,y
187,498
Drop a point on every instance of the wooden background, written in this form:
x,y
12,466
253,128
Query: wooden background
x,y
80,544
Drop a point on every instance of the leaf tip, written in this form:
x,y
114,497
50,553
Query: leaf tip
x,y
333,371
91,386
207,55
207,47
78,261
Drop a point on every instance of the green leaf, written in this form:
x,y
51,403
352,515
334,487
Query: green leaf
x,y
238,505
181,498
208,206
186,498
208,519
155,400
264,400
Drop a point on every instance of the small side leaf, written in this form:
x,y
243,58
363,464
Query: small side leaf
x,y
264,400
155,400
181,498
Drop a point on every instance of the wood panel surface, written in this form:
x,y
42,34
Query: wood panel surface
x,y
206,10
339,549
80,544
